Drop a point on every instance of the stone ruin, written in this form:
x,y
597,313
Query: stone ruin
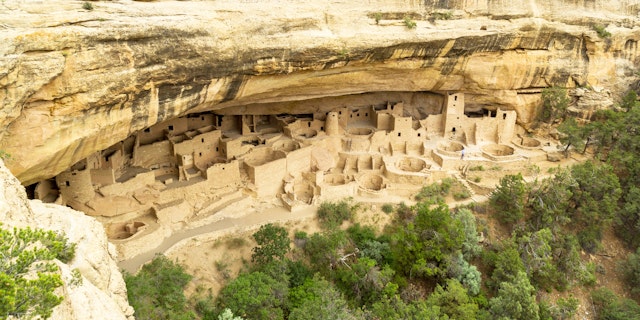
x,y
167,176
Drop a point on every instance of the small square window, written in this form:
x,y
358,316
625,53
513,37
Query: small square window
x,y
399,134
147,130
170,127
67,183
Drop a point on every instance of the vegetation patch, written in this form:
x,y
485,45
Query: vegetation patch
x,y
28,275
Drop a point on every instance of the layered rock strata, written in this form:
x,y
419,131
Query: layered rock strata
x,y
75,81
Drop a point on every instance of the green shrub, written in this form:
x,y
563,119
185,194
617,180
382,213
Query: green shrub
x,y
236,243
332,214
601,31
273,244
387,208
477,168
377,16
462,194
608,306
446,15
300,235
157,291
631,270
477,179
28,276
507,200
410,23
255,295
435,191
87,6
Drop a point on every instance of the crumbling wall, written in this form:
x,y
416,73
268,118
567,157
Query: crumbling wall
x,y
223,174
120,189
75,185
154,155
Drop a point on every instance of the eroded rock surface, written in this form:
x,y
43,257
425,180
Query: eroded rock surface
x,y
102,294
75,81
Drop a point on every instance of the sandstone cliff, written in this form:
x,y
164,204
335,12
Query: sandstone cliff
x,y
75,81
102,294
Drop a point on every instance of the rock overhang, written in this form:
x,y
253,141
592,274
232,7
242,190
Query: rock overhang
x,y
102,76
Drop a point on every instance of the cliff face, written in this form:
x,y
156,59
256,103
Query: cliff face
x,y
76,81
102,293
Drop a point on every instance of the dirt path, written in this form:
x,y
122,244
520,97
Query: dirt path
x,y
250,220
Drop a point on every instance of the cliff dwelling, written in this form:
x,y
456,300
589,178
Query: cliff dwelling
x,y
170,175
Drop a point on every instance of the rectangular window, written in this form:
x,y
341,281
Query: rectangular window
x,y
170,128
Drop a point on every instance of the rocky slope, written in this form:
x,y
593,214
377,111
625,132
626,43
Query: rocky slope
x,y
102,294
75,81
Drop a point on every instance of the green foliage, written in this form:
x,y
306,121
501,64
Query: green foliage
x,y
87,6
420,246
442,15
507,200
610,307
601,31
410,23
470,246
255,295
461,195
627,221
468,275
5,156
76,278
273,244
156,292
436,191
394,307
631,271
554,104
363,281
453,301
536,254
227,314
377,17
549,201
595,196
28,276
477,168
387,208
318,299
505,261
573,135
565,308
331,214
323,249
515,300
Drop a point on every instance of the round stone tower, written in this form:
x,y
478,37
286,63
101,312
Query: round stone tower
x,y
332,124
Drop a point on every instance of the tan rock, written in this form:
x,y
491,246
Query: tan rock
x,y
76,81
103,294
